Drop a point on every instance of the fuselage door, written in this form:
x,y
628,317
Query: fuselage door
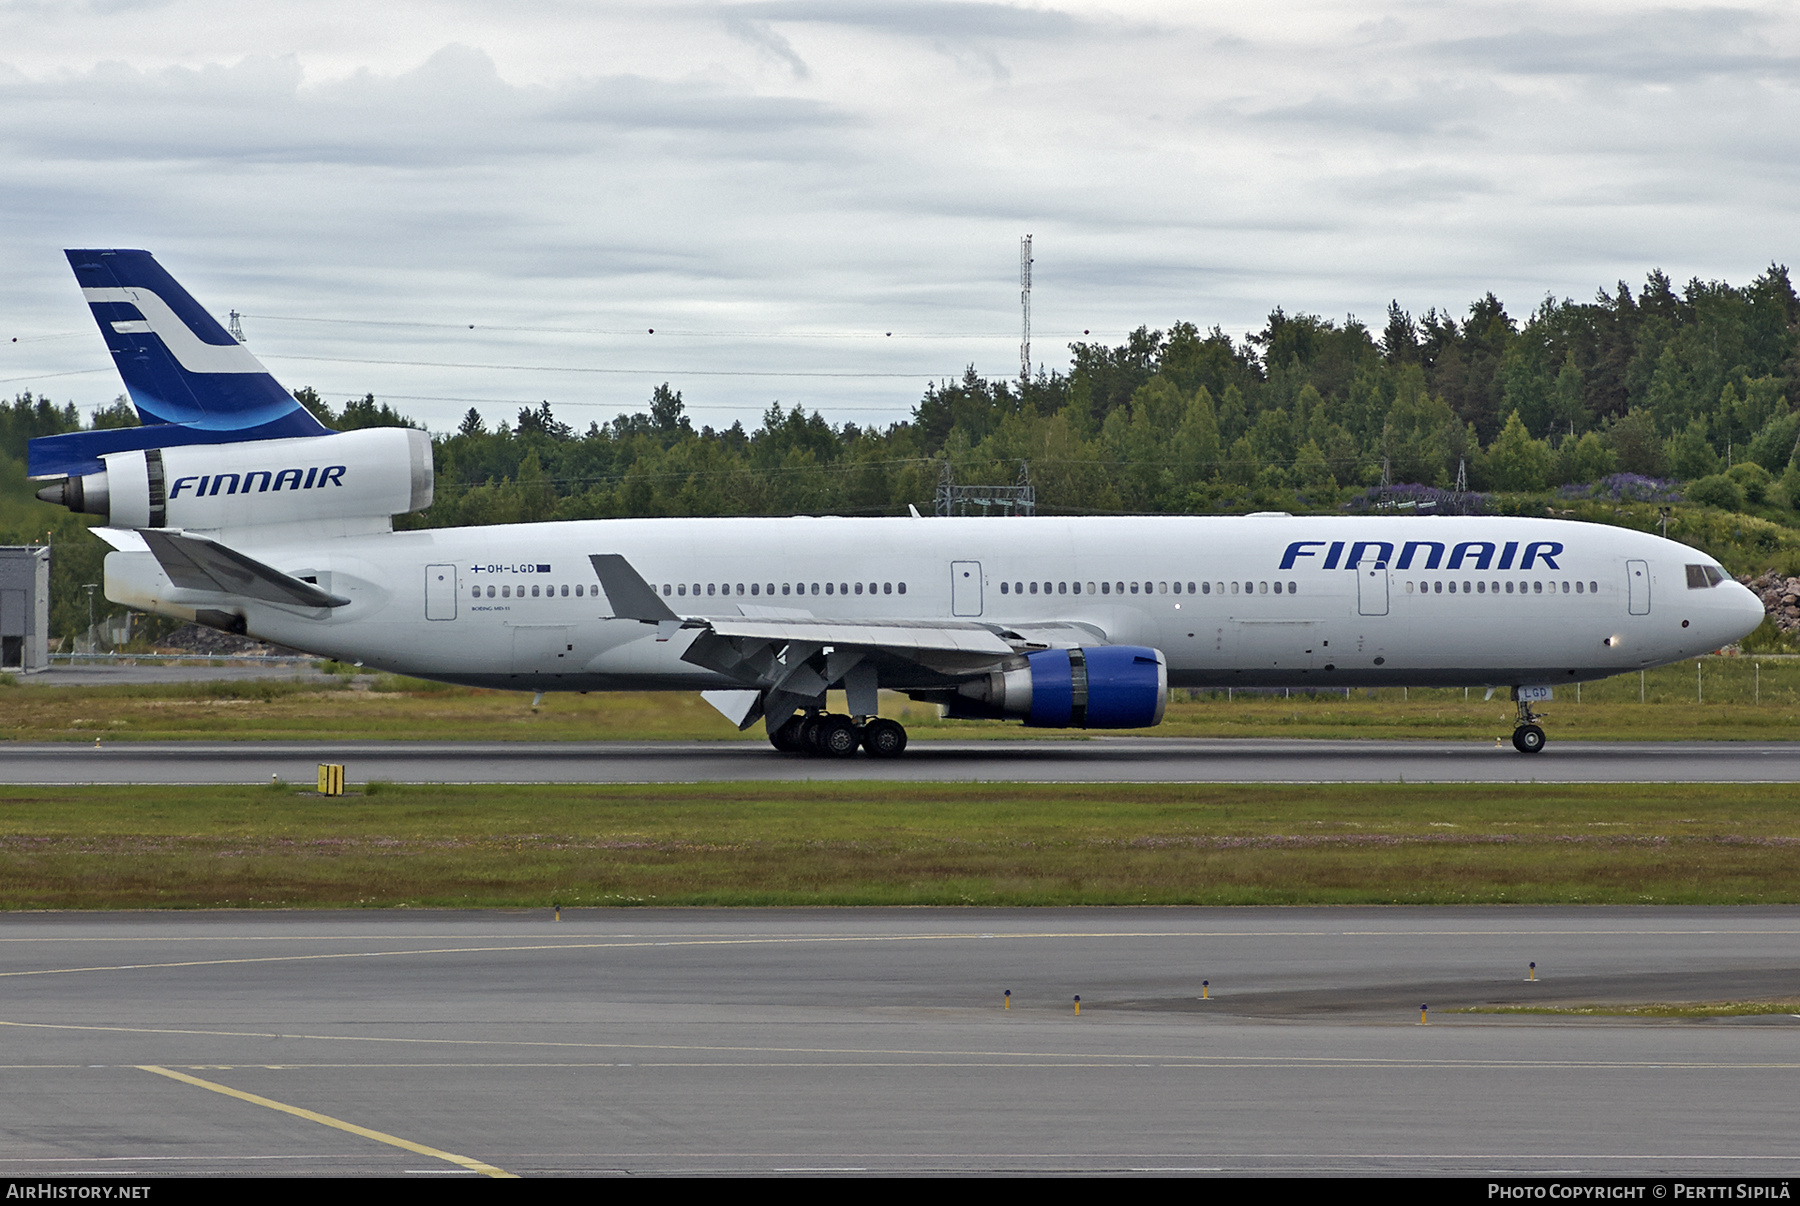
x,y
440,592
1637,574
965,588
1372,589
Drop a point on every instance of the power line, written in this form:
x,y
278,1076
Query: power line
x,y
645,332
623,372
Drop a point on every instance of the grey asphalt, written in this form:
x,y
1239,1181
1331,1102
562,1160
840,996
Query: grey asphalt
x,y
648,1042
1099,759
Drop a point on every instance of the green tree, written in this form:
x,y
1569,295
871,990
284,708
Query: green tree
x,y
1515,461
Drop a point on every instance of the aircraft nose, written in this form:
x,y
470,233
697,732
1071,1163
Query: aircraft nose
x,y
1746,610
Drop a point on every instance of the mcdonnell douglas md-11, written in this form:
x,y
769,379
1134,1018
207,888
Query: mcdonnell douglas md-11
x,y
232,506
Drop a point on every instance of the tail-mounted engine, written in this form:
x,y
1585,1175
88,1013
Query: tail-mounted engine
x,y
1102,687
374,473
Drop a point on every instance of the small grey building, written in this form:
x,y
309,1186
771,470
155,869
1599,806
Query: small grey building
x,y
24,607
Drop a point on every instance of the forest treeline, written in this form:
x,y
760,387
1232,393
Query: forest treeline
x,y
1691,384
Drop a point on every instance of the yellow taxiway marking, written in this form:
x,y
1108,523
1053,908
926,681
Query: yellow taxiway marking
x,y
327,1120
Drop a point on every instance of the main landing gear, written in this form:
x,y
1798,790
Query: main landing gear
x,y
823,734
1528,738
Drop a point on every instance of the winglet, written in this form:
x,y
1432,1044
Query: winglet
x,y
631,597
196,563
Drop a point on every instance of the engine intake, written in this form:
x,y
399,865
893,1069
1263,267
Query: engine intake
x,y
370,474
1099,687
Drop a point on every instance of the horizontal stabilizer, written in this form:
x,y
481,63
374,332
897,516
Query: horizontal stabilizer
x,y
630,597
196,563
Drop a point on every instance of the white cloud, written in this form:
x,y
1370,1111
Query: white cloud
x,y
757,170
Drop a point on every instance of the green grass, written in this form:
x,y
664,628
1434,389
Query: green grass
x,y
1718,699
897,844
1697,1009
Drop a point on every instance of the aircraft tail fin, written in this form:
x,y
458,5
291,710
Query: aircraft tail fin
x,y
189,379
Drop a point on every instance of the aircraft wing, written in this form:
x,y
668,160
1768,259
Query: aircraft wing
x,y
196,563
792,659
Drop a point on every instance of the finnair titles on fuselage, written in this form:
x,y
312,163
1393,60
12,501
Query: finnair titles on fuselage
x,y
232,506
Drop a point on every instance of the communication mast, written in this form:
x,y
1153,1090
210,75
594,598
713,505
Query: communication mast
x,y
236,328
1025,307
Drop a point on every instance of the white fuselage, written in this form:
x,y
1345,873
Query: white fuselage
x,y
1443,601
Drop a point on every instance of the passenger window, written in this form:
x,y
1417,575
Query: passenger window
x,y
903,588
1190,588
828,588
506,592
769,589
1134,588
1262,588
1178,588
843,588
1593,588
478,592
565,592
1162,588
1293,589
1034,588
815,588
1578,587
1047,587
1234,588
1062,588
859,588
887,588
1537,588
1090,588
1206,588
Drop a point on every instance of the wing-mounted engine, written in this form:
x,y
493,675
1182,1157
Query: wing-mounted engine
x,y
369,475
1095,687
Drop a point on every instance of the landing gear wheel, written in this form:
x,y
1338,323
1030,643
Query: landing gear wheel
x,y
883,738
837,737
786,737
1528,739
810,727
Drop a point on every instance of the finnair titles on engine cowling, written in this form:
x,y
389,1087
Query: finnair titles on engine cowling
x,y
233,506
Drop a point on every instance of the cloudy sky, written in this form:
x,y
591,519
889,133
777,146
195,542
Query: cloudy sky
x,y
460,202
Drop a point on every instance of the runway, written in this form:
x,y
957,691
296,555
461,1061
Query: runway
x,y
651,1042
1097,759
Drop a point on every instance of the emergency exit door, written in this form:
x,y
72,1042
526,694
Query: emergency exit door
x,y
965,588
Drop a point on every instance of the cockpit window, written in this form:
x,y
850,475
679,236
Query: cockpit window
x,y
1702,577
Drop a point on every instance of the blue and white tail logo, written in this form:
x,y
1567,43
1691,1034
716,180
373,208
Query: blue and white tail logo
x,y
191,382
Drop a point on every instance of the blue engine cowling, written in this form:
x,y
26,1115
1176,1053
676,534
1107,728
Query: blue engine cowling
x,y
1102,687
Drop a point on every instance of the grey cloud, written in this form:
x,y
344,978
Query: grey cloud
x,y
453,110
1427,113
762,36
920,18
1662,46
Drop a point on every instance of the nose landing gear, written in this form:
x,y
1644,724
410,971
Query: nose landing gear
x,y
1528,738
